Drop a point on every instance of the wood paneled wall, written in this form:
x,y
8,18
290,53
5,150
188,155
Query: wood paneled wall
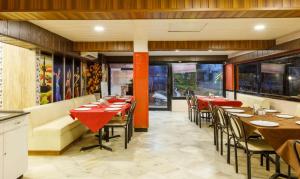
x,y
147,9
118,46
287,48
211,45
19,78
35,35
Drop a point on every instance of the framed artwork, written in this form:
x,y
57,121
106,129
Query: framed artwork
x,y
46,68
77,79
68,78
58,78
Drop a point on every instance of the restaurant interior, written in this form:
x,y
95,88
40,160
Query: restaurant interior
x,y
143,89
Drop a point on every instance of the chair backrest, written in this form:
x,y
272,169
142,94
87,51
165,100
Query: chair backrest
x,y
194,100
188,100
131,112
236,127
222,117
297,149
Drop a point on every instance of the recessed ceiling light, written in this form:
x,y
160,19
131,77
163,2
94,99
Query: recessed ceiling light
x,y
259,27
99,28
209,50
177,50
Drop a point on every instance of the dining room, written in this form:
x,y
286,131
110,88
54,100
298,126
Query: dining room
x,y
142,89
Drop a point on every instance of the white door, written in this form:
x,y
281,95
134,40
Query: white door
x,y
16,152
1,156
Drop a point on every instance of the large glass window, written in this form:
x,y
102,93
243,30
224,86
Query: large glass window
x,y
272,75
121,76
184,79
279,77
209,79
158,86
247,78
199,79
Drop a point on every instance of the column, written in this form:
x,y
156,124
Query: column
x,y
140,84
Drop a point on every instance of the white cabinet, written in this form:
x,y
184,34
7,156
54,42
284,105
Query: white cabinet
x,y
14,148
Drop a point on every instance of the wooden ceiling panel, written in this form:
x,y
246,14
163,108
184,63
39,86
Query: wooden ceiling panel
x,y
119,46
211,45
146,9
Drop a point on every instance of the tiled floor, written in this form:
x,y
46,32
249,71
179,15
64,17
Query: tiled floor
x,y
173,148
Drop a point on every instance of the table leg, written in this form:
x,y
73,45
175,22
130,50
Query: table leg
x,y
278,173
99,145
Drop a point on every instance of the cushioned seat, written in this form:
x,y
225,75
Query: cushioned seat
x,y
257,145
51,128
59,125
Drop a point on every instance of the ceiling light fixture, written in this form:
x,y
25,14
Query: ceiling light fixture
x,y
259,27
99,28
177,51
209,50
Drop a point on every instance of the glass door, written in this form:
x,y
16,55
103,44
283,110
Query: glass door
x,y
159,97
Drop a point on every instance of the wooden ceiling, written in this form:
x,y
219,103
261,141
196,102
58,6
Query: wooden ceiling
x,y
211,45
120,46
146,9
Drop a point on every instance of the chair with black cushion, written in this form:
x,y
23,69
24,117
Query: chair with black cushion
x,y
124,123
249,145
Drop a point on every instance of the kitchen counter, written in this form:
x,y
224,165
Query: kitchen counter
x,y
6,115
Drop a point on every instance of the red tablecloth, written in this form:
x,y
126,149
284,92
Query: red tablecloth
x,y
97,117
218,101
115,99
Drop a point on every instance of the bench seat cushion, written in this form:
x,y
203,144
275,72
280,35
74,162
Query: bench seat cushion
x,y
59,125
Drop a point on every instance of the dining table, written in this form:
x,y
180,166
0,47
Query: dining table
x,y
113,99
278,137
95,116
203,102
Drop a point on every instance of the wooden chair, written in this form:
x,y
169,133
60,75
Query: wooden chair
x,y
126,124
251,146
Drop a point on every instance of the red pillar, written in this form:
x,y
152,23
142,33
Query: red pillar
x,y
140,90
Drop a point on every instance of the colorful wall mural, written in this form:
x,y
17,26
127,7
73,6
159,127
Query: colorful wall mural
x,y
84,71
61,78
77,79
58,78
46,67
68,78
93,77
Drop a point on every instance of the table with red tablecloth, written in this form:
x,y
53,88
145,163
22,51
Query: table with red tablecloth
x,y
98,116
120,99
216,101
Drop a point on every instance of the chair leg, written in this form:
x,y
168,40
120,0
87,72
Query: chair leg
x,y
126,135
217,139
249,166
228,148
200,119
267,162
235,157
261,160
221,142
112,131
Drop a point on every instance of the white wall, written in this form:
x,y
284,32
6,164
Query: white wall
x,y
289,107
179,105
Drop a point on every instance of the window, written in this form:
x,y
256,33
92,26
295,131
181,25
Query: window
x,y
121,76
209,79
184,78
280,77
247,78
199,79
272,74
